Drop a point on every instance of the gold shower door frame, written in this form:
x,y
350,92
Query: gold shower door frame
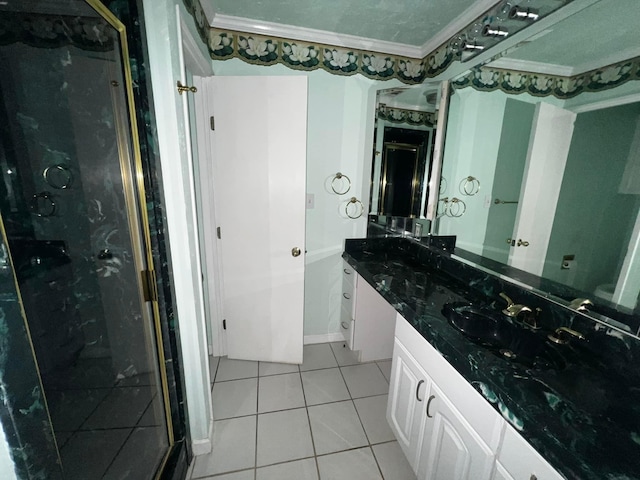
x,y
134,193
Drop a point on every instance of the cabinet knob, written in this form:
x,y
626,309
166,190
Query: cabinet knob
x,y
346,271
295,251
347,296
344,325
533,477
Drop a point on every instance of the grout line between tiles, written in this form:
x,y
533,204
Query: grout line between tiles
x,y
255,456
306,407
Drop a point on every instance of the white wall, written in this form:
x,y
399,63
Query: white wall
x,y
164,47
340,139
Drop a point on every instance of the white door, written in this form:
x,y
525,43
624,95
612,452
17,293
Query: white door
x,y
546,158
451,450
405,408
259,172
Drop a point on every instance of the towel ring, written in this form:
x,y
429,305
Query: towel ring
x,y
340,176
58,176
469,186
355,201
460,208
49,206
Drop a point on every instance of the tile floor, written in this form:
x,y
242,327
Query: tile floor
x,y
322,420
105,428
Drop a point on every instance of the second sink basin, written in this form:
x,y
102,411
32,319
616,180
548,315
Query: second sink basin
x,y
497,333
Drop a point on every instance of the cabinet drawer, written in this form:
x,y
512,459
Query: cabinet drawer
x,y
348,277
521,461
347,326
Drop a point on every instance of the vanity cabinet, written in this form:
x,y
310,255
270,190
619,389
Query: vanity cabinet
x,y
519,460
367,320
438,440
447,430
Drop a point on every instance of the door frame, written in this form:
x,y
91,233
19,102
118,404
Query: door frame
x,y
204,209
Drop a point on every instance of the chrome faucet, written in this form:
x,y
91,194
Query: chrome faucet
x,y
515,309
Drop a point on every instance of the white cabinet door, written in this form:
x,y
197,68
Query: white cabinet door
x,y
521,461
259,170
375,322
406,406
451,450
500,473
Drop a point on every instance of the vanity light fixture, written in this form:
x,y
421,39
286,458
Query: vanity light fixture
x,y
491,31
518,13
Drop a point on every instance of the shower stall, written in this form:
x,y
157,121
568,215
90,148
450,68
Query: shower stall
x,y
79,295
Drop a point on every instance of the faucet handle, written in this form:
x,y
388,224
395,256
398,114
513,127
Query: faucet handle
x,y
581,304
507,299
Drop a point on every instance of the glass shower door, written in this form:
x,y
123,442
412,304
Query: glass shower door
x,y
70,205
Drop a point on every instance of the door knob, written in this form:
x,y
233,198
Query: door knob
x,y
295,251
522,243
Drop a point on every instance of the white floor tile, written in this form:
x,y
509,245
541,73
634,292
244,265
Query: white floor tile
x,y
336,427
373,414
243,475
235,398
343,354
298,470
268,368
213,366
385,366
323,386
235,369
352,465
280,392
317,356
283,436
122,408
234,447
365,380
393,463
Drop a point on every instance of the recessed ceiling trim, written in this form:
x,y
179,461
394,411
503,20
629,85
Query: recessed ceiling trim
x,y
258,27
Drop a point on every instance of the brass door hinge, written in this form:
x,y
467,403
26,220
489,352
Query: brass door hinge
x,y
149,286
185,88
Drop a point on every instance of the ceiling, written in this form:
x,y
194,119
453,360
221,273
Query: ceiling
x,y
601,34
406,22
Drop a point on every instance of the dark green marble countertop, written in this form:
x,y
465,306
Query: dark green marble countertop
x,y
583,418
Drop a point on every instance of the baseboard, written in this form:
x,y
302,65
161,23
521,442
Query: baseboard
x,y
324,338
202,447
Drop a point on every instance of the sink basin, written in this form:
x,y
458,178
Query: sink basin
x,y
501,336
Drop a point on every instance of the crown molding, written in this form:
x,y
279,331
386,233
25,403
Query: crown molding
x,y
257,27
506,63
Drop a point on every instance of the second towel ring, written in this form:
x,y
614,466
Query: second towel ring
x,y
354,201
469,186
336,186
42,205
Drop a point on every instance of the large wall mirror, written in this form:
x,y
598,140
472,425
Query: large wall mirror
x,y
402,156
550,183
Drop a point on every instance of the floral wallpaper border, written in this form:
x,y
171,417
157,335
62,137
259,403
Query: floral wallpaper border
x,y
541,85
402,115
265,50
